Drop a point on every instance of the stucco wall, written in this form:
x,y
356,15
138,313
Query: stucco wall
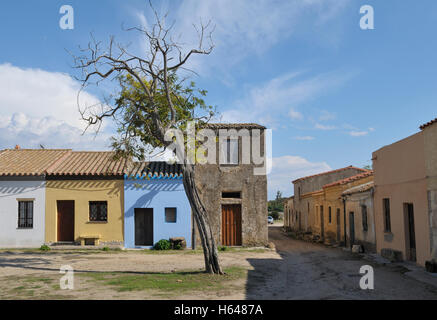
x,y
399,171
10,235
430,143
157,194
82,192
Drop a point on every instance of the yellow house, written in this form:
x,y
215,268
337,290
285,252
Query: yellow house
x,y
84,199
329,207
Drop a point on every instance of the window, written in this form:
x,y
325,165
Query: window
x,y
330,215
25,214
230,151
338,216
234,195
170,215
364,216
98,211
386,210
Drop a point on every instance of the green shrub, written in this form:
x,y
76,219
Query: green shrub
x,y
105,248
223,248
162,244
44,247
178,246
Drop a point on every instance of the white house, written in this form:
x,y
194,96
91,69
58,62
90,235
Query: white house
x,y
22,195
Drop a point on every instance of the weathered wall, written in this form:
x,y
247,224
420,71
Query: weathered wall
x,y
82,192
158,195
10,193
430,145
288,212
212,180
354,204
400,175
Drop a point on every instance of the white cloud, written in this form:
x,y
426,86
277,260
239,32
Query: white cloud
x,y
324,127
295,115
358,133
40,107
285,169
304,138
242,28
270,101
327,116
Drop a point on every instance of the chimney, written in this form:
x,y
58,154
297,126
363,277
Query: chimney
x,y
17,147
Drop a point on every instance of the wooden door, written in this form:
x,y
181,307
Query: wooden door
x,y
65,220
143,226
411,236
351,228
322,223
231,225
338,220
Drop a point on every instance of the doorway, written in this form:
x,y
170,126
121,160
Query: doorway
x,y
322,224
351,228
143,226
410,233
65,218
338,226
231,225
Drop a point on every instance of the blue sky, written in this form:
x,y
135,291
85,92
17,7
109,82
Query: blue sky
x,y
331,92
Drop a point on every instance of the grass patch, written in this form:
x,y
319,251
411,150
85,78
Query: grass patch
x,y
169,282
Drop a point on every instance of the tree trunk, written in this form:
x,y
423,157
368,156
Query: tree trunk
x,y
210,252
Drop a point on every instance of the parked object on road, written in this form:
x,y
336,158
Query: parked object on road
x,y
270,219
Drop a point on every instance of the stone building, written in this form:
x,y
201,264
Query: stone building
x,y
308,190
405,197
288,211
234,190
360,218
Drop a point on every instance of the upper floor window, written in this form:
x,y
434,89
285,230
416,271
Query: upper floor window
x,y
25,214
229,151
99,211
364,217
386,211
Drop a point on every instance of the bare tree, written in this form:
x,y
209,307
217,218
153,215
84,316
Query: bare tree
x,y
151,101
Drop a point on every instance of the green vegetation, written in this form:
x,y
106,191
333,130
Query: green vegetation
x,y
162,244
175,282
44,248
223,248
276,206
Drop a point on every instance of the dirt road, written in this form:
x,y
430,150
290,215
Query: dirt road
x,y
313,271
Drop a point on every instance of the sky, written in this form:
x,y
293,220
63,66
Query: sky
x,y
331,92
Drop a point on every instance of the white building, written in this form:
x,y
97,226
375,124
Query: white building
x,y
22,195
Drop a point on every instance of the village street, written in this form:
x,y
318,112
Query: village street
x,y
293,270
313,271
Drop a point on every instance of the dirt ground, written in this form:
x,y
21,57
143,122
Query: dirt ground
x,y
295,270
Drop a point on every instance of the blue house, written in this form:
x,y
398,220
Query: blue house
x,y
155,205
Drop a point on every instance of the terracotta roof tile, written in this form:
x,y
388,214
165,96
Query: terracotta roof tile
x,y
89,163
361,188
29,162
328,172
359,176
423,126
160,169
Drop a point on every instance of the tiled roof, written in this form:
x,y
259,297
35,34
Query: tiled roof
x,y
423,126
154,169
234,126
29,162
359,176
328,172
361,188
89,163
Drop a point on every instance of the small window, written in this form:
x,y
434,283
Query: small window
x,y
99,211
364,216
170,215
386,210
229,154
25,214
235,195
330,215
